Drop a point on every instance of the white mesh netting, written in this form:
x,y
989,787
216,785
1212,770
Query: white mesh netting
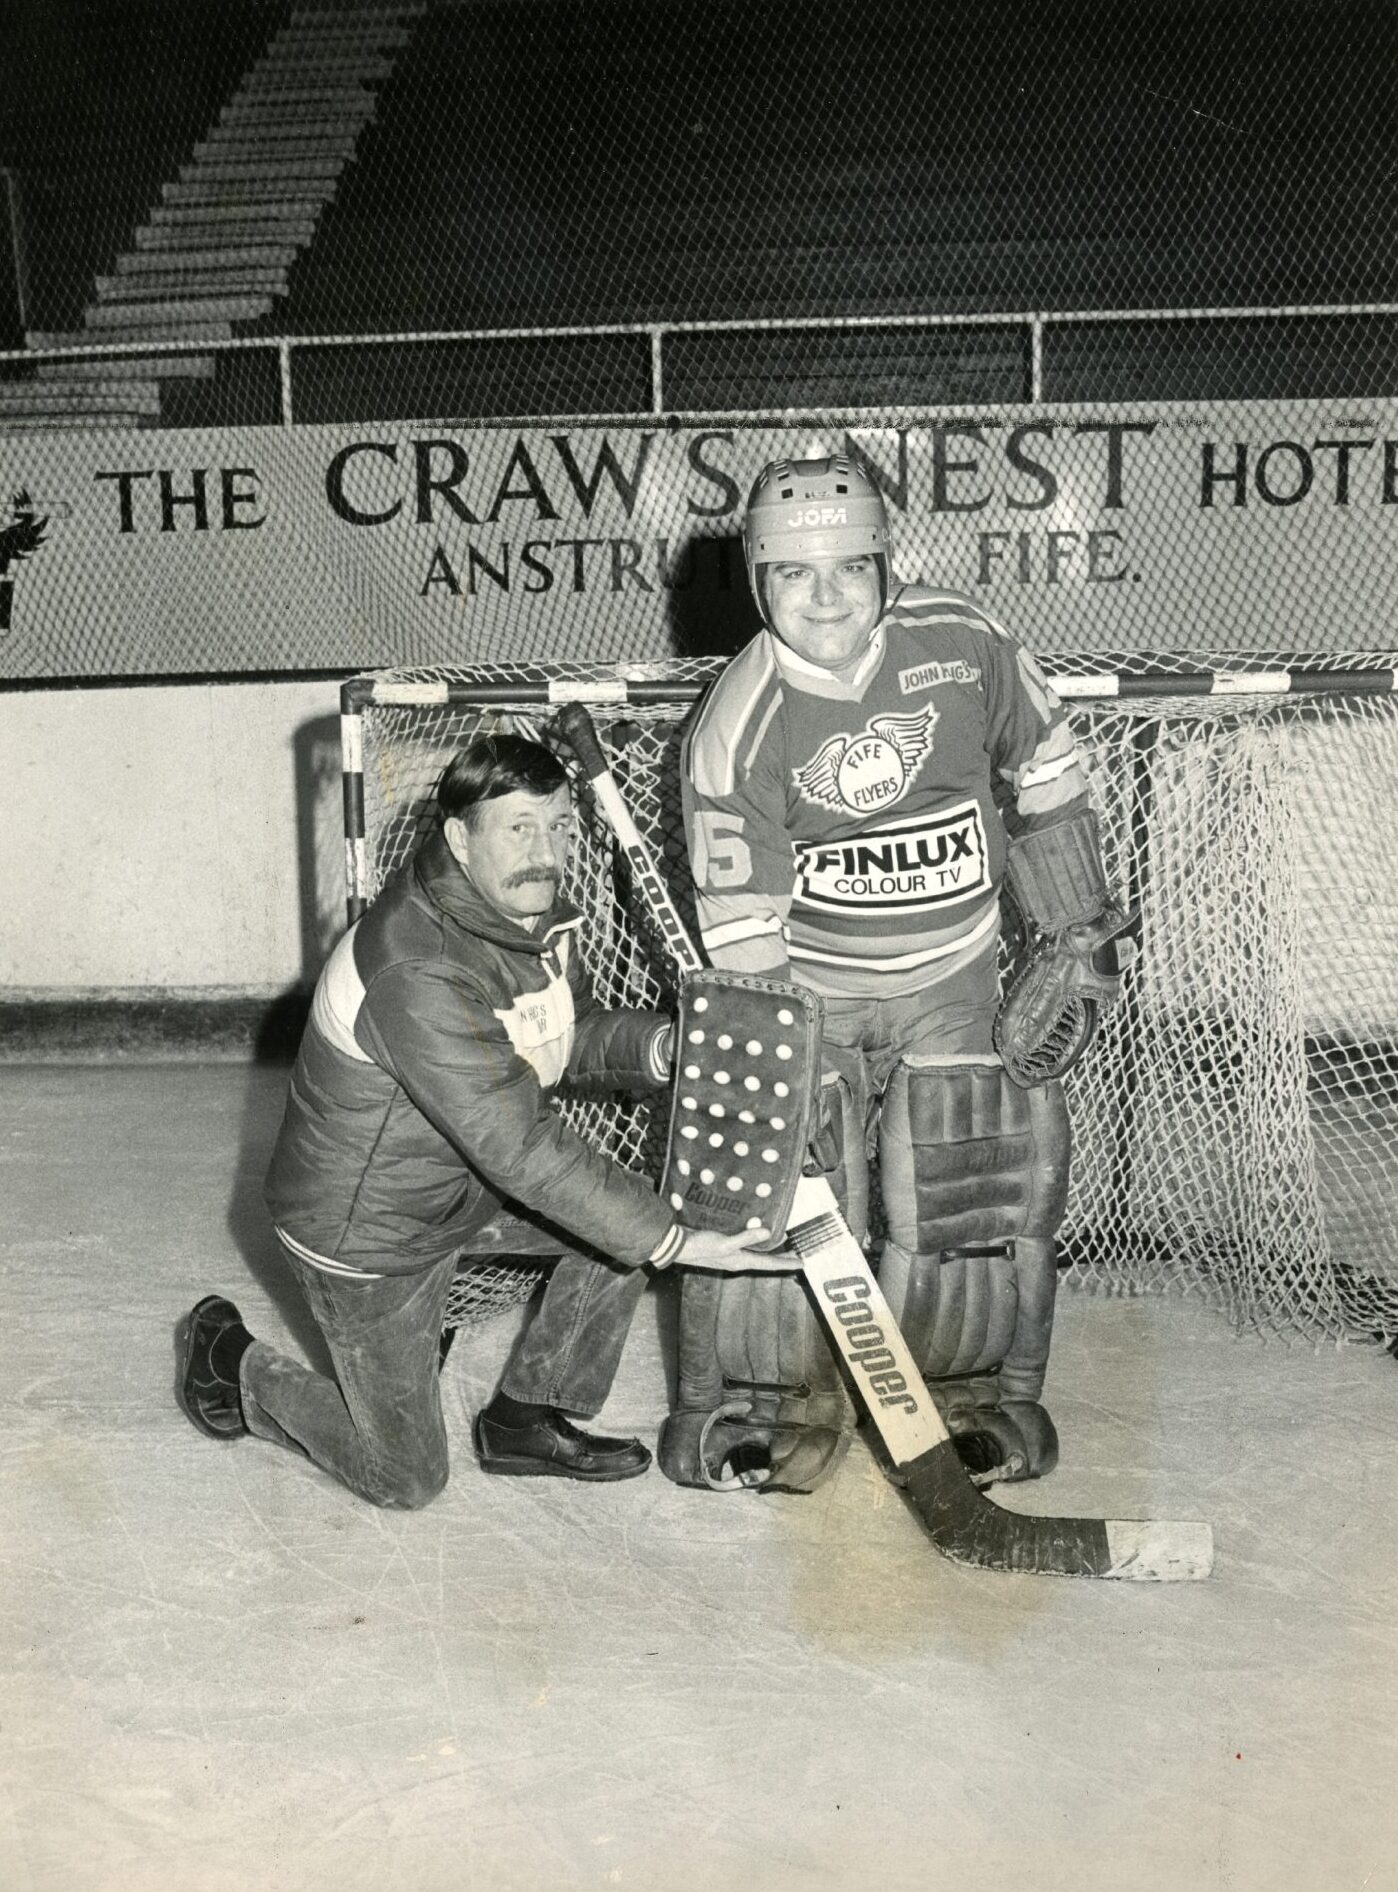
x,y
1234,1122
406,743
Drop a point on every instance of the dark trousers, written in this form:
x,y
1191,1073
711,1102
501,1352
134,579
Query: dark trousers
x,y
377,1426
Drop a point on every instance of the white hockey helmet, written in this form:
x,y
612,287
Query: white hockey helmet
x,y
824,508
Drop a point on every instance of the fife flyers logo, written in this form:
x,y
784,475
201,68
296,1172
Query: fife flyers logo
x,y
858,774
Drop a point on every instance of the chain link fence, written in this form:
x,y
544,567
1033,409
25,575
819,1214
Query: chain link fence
x,y
454,332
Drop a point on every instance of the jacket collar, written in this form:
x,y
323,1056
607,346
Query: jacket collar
x,y
440,876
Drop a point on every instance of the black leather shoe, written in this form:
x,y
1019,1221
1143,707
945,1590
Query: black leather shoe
x,y
213,1402
551,1447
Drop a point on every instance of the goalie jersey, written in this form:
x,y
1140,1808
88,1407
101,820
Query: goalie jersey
x,y
852,828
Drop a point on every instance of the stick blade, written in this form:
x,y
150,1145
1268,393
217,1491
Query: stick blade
x,y
1156,1551
970,1529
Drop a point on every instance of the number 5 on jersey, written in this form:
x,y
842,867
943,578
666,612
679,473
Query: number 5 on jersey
x,y
722,857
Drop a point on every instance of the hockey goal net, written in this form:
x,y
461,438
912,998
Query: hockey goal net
x,y
1236,1122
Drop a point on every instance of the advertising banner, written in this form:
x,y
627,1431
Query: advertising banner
x,y
1240,526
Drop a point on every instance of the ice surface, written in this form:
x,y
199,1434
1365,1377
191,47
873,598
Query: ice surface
x,y
225,1674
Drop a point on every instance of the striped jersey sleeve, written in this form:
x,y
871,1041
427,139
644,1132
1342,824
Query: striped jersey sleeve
x,y
736,818
1039,776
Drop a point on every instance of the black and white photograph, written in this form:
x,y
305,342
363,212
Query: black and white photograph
x,y
698,945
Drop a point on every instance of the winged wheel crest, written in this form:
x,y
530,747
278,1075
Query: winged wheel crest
x,y
871,769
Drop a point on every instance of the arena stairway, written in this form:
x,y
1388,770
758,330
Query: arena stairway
x,y
214,254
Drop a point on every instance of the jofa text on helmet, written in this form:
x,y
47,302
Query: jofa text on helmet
x,y
818,516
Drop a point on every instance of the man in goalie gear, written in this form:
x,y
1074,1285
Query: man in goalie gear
x,y
859,783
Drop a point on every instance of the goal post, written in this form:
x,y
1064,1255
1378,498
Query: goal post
x,y
1235,1125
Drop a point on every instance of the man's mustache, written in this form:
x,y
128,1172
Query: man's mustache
x,y
528,874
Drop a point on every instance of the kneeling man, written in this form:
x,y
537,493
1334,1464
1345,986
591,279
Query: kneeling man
x,y
419,1100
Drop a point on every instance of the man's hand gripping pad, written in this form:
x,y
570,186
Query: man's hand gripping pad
x,y
747,1088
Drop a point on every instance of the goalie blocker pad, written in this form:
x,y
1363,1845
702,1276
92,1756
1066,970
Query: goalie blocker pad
x,y
1055,873
747,1089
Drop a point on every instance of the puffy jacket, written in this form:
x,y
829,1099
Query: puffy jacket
x,y
419,1096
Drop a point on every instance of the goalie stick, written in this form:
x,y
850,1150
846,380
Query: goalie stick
x,y
963,1523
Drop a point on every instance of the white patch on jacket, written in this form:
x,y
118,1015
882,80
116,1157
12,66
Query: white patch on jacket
x,y
339,994
540,1024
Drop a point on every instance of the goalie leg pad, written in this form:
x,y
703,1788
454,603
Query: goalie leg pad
x,y
768,1408
974,1174
761,1401
1005,1441
840,1147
